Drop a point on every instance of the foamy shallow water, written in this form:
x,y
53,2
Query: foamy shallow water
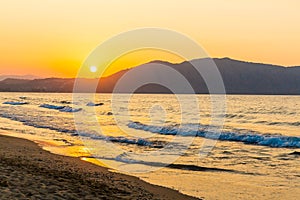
x,y
257,156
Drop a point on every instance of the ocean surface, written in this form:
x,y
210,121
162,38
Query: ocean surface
x,y
255,154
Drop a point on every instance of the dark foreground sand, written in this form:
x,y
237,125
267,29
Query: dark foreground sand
x,y
28,172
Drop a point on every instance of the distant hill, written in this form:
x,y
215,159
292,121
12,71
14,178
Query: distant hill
x,y
29,77
239,78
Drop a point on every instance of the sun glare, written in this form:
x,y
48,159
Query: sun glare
x,y
93,69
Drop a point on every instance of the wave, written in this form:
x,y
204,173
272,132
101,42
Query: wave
x,y
94,104
87,135
296,153
14,103
119,139
61,108
70,109
53,107
297,123
240,116
186,167
65,102
270,140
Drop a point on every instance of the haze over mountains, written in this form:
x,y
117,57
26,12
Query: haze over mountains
x,y
239,77
30,77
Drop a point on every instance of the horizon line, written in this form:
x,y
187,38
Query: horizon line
x,y
164,61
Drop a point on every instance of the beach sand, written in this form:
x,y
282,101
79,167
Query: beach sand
x,y
29,172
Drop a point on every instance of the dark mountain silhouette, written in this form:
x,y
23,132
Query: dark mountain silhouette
x,y
239,78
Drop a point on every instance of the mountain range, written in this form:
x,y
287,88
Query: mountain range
x,y
239,77
29,77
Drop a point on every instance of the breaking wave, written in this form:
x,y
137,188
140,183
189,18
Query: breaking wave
x,y
60,108
270,140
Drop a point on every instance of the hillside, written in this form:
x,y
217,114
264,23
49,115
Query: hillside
x,y
239,78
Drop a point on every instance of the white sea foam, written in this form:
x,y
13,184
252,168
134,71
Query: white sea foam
x,y
61,108
271,140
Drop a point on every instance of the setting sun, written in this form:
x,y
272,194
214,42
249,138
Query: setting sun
x,y
52,38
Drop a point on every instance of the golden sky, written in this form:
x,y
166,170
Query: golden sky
x,y
53,37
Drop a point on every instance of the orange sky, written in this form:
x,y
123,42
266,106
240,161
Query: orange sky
x,y
53,37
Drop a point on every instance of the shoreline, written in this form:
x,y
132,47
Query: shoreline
x,y
28,171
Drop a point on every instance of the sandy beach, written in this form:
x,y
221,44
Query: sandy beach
x,y
29,172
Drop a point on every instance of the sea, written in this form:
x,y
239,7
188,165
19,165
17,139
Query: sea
x,y
248,149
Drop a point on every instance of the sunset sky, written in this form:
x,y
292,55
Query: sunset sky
x,y
53,37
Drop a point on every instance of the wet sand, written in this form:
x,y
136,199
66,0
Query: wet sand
x,y
29,172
